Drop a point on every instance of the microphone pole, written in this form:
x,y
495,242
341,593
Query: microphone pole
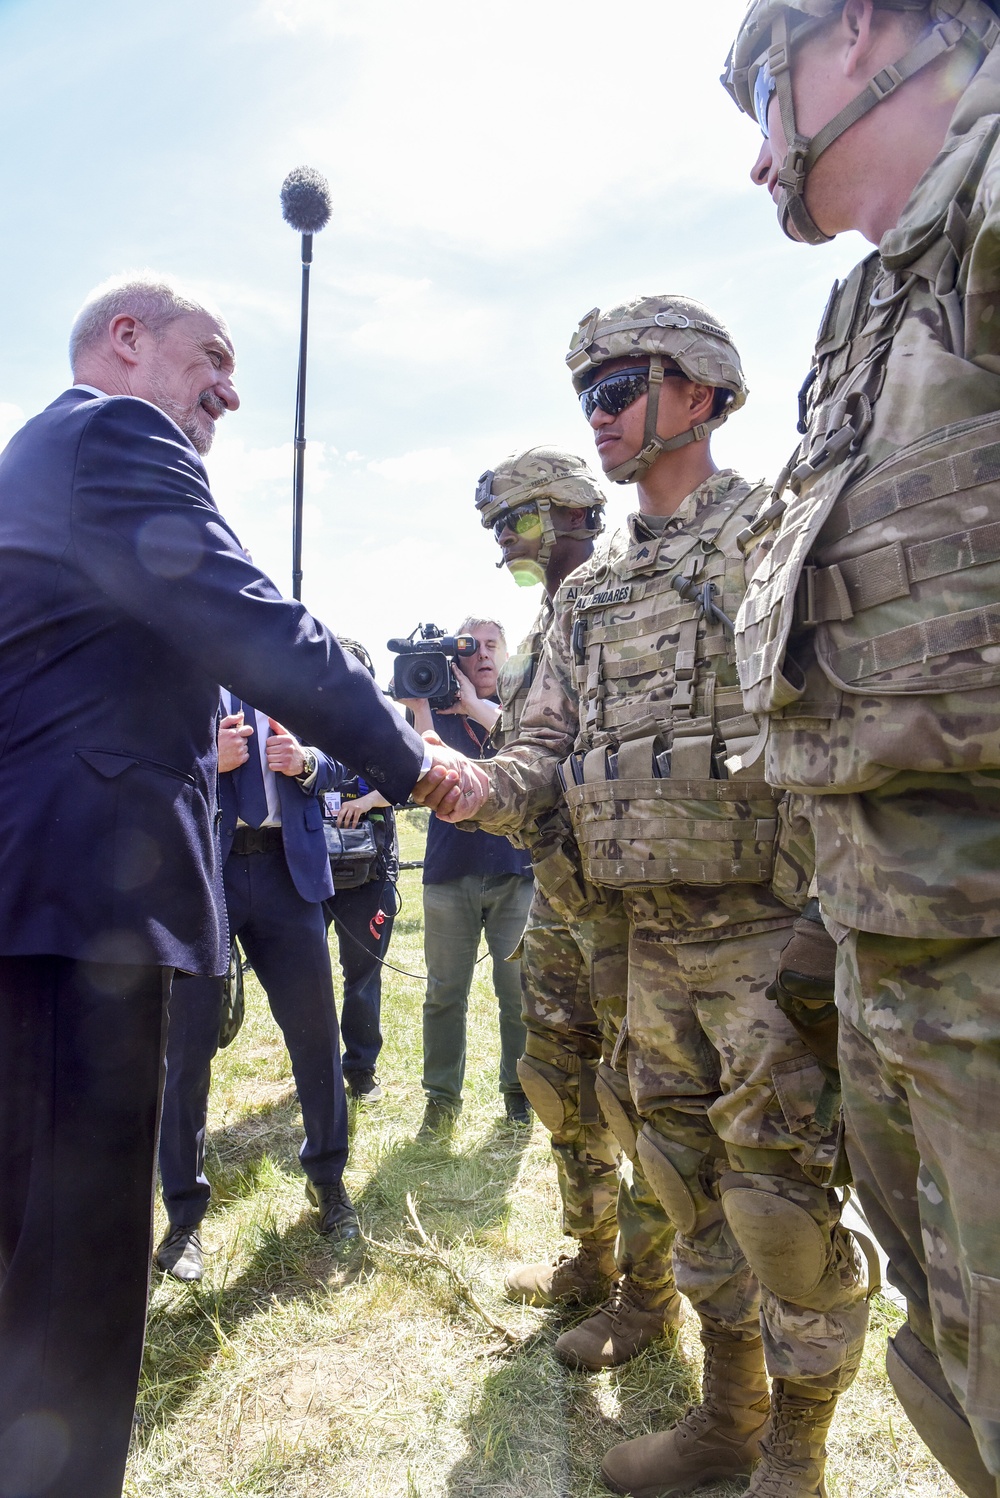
x,y
305,205
299,457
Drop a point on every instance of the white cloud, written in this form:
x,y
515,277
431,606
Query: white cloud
x,y
11,418
427,466
333,17
506,126
238,471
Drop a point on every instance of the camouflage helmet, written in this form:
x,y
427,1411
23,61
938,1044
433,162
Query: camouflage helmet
x,y
356,648
549,479
759,61
673,328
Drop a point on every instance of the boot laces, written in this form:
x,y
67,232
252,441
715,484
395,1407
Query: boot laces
x,y
697,1416
785,1453
625,1296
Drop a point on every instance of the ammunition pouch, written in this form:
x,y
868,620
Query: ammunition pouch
x,y
636,828
560,879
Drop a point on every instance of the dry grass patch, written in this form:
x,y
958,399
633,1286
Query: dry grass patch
x,y
297,1370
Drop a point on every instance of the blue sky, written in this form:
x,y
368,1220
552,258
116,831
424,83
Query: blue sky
x,y
495,172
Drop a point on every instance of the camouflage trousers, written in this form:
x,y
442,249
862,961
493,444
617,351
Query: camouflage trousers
x,y
920,1060
732,1139
573,983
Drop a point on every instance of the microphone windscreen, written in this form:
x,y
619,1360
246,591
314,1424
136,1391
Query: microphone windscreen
x,y
305,200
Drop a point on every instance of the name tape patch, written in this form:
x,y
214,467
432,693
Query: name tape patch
x,y
604,596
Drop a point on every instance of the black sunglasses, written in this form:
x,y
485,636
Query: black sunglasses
x,y
618,391
511,519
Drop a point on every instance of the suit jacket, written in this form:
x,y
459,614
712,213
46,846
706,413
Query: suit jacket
x,y
125,599
301,827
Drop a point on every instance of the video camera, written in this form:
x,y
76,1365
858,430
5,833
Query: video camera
x,y
424,667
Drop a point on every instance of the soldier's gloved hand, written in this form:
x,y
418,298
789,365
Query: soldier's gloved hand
x,y
803,988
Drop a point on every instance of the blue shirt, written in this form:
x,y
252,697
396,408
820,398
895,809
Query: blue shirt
x,y
451,853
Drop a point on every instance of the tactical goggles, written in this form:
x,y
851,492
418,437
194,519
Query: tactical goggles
x,y
616,392
522,520
764,89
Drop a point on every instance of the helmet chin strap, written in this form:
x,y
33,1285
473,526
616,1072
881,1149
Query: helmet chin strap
x,y
633,469
553,532
964,17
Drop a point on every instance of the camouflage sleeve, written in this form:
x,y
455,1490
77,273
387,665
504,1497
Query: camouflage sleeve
x,y
982,275
523,780
794,852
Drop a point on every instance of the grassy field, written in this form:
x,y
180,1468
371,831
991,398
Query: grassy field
x,y
295,1370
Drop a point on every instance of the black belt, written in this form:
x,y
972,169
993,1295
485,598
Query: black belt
x,y
257,840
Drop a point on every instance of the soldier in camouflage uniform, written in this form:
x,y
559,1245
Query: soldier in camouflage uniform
x,y
545,508
870,639
637,711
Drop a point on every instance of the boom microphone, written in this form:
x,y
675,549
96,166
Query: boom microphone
x,y
306,206
305,200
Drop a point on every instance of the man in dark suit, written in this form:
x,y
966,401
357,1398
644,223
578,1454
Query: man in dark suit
x,y
276,874
125,599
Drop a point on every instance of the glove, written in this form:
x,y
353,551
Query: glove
x,y
803,988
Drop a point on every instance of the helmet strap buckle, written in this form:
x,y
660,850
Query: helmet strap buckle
x,y
792,175
779,57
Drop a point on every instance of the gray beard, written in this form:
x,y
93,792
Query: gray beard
x,y
186,418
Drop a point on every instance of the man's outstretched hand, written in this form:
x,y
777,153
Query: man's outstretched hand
x,y
454,787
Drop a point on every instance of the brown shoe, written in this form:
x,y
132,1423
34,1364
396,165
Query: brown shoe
x,y
628,1321
793,1451
583,1277
716,1439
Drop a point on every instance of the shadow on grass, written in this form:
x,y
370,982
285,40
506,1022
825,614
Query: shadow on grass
x,y
457,1192
539,1428
187,1332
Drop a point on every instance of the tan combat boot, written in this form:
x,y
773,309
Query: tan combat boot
x,y
793,1451
583,1277
627,1322
715,1439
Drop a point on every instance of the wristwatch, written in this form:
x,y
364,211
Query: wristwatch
x,y
309,768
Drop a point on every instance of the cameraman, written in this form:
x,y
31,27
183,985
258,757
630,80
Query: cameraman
x,y
473,883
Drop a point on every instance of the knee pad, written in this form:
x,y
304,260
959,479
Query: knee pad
x,y
673,1172
615,1102
784,1245
550,1091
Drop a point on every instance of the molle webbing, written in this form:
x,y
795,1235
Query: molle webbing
x,y
920,612
640,649
636,833
648,792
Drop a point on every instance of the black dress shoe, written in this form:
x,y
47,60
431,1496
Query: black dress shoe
x,y
518,1110
180,1253
338,1220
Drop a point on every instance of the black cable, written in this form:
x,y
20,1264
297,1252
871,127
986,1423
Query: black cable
x,y
387,882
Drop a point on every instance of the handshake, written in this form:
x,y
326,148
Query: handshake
x,y
453,787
